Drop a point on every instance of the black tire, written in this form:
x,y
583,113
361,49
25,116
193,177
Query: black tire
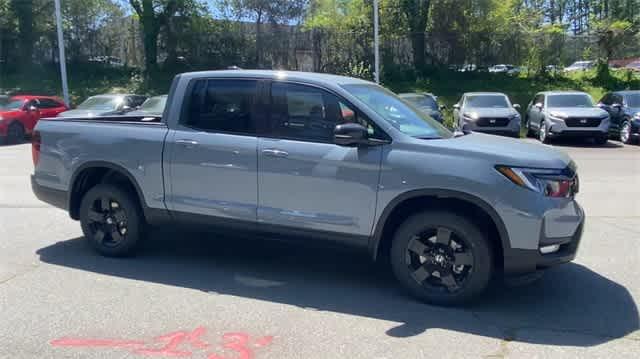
x,y
105,210
543,133
527,125
601,140
625,133
15,133
426,232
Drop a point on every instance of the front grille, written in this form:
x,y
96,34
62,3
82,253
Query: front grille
x,y
582,122
492,122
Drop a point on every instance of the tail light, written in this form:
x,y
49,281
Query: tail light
x,y
35,147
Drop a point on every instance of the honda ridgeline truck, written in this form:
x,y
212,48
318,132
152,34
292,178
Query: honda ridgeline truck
x,y
315,157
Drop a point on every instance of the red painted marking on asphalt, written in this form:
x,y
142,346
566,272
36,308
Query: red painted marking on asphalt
x,y
75,342
176,343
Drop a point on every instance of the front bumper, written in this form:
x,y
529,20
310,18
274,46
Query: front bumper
x,y
558,128
54,197
525,261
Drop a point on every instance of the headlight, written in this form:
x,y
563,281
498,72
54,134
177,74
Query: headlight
x,y
558,115
551,183
471,116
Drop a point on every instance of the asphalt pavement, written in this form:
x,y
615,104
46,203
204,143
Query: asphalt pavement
x,y
198,295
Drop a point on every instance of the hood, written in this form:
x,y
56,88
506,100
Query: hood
x,y
85,113
143,113
491,112
578,111
507,151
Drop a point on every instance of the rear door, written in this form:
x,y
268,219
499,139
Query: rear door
x,y
306,181
212,152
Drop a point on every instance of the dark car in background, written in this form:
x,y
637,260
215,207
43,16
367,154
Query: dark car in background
x,y
624,113
153,106
554,114
488,112
106,105
20,114
425,102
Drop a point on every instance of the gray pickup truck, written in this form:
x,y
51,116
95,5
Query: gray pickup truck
x,y
312,157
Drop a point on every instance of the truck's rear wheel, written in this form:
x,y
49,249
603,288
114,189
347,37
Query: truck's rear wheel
x,y
441,258
111,220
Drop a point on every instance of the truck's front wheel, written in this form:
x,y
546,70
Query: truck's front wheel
x,y
111,220
441,257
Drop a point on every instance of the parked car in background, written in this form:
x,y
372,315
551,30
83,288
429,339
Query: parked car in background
x,y
4,99
635,66
425,102
269,153
580,66
489,112
106,105
20,114
555,114
153,106
624,112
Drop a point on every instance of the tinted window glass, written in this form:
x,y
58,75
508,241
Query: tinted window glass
x,y
606,99
539,99
154,104
102,103
633,100
48,103
492,101
422,101
397,113
576,100
617,99
222,106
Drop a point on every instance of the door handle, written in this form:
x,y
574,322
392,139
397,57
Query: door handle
x,y
275,153
187,143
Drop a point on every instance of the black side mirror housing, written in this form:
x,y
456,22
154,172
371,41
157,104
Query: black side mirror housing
x,y
443,107
539,106
350,134
516,106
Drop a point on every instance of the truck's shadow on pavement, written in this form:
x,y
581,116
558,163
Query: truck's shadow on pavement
x,y
572,305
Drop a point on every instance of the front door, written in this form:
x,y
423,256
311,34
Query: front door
x,y
305,181
212,152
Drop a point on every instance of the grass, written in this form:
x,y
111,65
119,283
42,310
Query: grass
x,y
86,80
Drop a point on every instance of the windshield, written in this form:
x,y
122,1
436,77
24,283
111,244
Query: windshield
x,y
154,104
398,113
633,100
569,101
422,101
482,101
13,105
100,103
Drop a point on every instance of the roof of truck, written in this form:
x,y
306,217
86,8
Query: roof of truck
x,y
279,75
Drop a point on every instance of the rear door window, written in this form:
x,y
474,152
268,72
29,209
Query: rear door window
x,y
221,105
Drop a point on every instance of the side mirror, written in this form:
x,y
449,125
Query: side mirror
x,y
443,107
516,106
456,106
617,106
349,134
32,108
539,105
126,108
601,105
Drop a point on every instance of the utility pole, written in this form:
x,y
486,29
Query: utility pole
x,y
376,42
61,57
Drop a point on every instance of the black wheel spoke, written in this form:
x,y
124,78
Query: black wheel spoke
x,y
450,282
104,204
95,216
420,274
463,258
443,236
116,236
416,246
99,235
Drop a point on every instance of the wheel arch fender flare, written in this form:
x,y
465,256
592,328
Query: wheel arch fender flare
x,y
382,221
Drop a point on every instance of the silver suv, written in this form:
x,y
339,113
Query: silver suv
x,y
556,114
489,112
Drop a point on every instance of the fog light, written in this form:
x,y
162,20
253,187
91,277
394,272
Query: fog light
x,y
549,249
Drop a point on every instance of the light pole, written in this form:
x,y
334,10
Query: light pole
x,y
376,43
63,61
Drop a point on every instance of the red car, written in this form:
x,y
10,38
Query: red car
x,y
19,116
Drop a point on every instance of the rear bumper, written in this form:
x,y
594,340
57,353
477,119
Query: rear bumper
x,y
519,262
54,197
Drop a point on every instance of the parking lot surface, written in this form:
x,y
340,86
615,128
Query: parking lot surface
x,y
197,295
